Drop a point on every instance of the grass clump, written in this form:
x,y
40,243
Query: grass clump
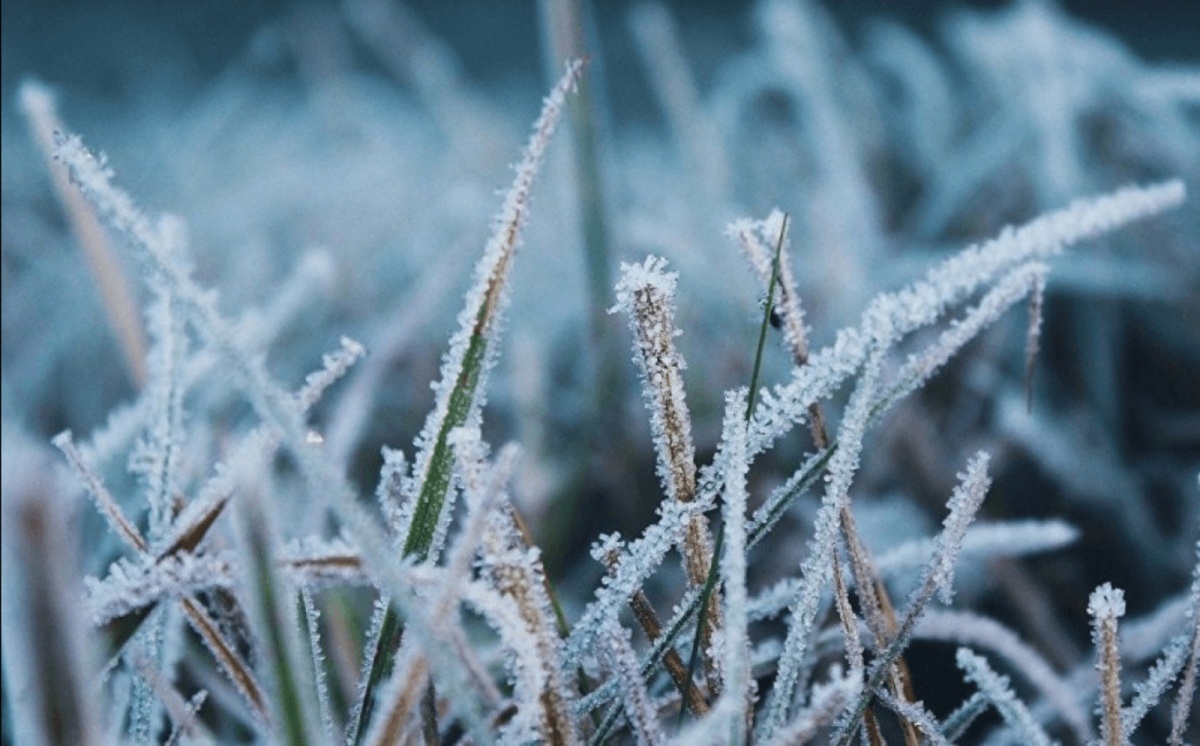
x,y
775,588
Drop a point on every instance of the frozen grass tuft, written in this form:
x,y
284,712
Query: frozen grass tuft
x,y
805,538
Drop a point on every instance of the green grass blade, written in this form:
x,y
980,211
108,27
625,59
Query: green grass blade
x,y
466,373
291,722
711,581
428,510
441,464
766,321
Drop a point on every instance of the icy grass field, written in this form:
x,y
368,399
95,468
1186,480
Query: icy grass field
x,y
907,450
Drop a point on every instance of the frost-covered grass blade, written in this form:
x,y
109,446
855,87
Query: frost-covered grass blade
x,y
460,393
277,628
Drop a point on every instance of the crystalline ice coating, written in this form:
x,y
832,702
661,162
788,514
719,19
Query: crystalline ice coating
x,y
736,678
964,504
995,687
617,650
209,429
646,292
1107,602
948,283
816,569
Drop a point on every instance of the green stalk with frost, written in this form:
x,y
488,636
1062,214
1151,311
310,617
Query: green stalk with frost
x,y
460,393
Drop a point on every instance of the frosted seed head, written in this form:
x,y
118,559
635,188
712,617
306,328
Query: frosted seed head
x,y
1107,602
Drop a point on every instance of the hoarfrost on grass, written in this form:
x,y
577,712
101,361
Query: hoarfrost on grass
x,y
917,143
